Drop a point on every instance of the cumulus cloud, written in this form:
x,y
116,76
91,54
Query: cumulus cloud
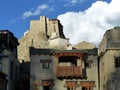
x,y
37,11
91,24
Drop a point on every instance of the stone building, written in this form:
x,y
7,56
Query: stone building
x,y
51,55
52,63
3,81
84,45
109,60
52,69
9,64
43,33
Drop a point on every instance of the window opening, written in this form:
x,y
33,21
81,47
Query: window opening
x,y
0,64
45,65
47,87
117,62
88,63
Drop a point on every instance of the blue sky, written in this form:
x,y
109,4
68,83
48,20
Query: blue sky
x,y
16,14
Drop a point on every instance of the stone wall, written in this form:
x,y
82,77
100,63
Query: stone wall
x,y
38,36
109,49
111,40
84,45
39,73
108,69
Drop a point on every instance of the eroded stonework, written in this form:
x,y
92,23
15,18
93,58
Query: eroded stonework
x,y
41,33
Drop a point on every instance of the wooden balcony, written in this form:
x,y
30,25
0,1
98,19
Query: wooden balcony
x,y
69,72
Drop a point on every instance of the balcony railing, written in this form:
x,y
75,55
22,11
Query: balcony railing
x,y
69,72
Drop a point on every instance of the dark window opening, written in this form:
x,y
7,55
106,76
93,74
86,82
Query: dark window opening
x,y
68,88
0,64
71,59
45,65
88,63
87,88
84,88
47,87
117,62
11,70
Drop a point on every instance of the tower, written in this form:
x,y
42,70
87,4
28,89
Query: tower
x,y
39,36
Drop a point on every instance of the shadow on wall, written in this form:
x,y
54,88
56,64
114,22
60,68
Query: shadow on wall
x,y
113,82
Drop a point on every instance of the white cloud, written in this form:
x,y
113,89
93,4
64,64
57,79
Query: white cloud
x,y
71,2
27,14
37,11
43,7
91,24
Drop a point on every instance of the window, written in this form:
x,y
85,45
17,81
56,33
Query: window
x,y
84,88
16,72
0,64
117,62
87,85
47,84
11,70
45,65
88,63
47,87
68,88
87,88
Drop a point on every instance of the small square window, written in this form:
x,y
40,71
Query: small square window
x,y
88,63
45,65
